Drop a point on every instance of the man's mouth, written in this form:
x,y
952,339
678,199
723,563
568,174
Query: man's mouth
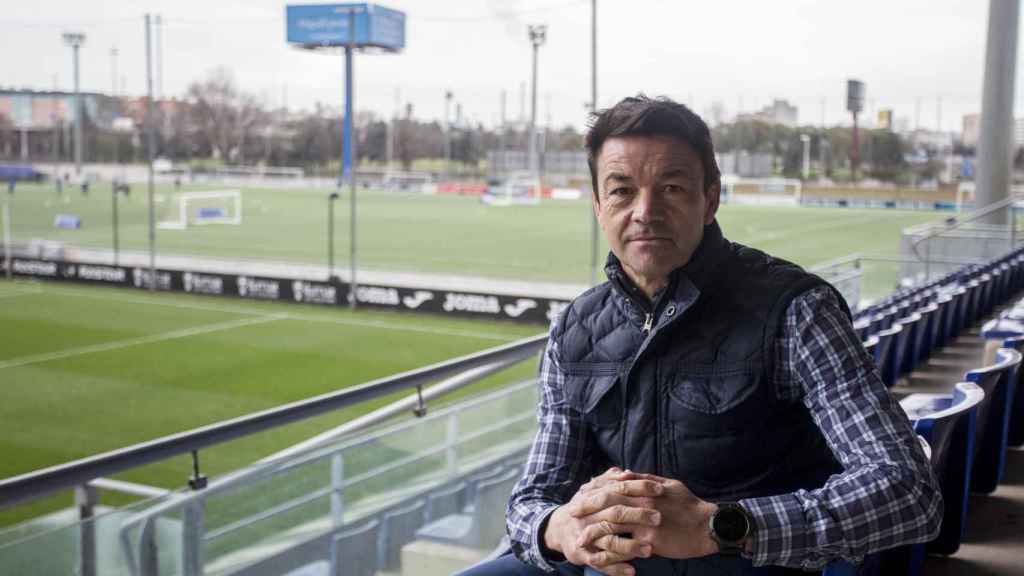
x,y
648,239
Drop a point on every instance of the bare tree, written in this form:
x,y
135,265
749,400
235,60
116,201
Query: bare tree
x,y
223,117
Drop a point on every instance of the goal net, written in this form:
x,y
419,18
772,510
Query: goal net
x,y
201,208
761,191
520,189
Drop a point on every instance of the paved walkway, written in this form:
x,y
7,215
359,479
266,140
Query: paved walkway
x,y
994,542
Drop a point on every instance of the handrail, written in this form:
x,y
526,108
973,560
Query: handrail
x,y
954,223
37,484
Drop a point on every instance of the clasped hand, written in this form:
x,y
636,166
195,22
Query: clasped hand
x,y
621,515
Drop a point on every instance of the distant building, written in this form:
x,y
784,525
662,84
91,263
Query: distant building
x,y
1018,132
33,111
932,140
778,112
745,164
969,136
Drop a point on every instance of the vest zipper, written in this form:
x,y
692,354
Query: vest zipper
x,y
648,322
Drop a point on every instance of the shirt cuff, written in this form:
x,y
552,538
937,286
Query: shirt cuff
x,y
538,558
780,536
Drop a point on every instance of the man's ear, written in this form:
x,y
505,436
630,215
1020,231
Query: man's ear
x,y
595,204
712,195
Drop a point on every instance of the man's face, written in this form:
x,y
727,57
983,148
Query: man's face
x,y
652,205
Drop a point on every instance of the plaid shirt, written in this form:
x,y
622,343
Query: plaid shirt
x,y
886,496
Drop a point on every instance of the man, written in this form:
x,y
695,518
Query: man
x,y
709,409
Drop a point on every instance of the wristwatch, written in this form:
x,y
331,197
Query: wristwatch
x,y
731,526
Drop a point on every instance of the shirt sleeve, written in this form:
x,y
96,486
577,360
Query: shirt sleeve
x,y
555,469
886,495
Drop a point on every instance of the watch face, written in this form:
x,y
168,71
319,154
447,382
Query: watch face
x,y
731,524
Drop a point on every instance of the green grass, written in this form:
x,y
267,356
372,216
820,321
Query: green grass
x,y
445,234
86,370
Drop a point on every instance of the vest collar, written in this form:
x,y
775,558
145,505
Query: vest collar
x,y
699,270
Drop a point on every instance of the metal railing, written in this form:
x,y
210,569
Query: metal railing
x,y
441,448
34,485
938,247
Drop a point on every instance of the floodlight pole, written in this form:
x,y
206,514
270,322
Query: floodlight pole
x,y
538,34
8,263
447,135
113,212
330,235
75,40
150,145
806,141
348,147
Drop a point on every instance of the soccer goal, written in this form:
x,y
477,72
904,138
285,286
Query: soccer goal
x,y
761,191
201,208
520,189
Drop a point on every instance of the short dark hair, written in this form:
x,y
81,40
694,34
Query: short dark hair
x,y
643,116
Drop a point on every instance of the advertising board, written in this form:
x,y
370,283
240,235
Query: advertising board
x,y
314,25
527,309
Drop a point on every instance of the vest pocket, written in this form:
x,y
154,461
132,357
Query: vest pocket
x,y
710,391
592,391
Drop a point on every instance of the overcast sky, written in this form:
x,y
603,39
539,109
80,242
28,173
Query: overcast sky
x,y
912,54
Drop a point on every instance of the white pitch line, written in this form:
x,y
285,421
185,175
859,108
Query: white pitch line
x,y
127,343
773,236
386,326
19,294
304,317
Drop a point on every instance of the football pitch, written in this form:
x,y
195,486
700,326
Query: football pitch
x,y
86,370
443,234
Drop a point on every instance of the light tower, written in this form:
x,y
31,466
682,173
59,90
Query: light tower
x,y
538,34
75,40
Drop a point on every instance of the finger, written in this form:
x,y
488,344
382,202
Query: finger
x,y
623,514
649,488
633,493
600,559
597,530
609,476
620,569
623,545
675,487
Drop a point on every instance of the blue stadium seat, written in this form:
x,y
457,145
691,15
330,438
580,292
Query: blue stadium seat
x,y
948,422
397,529
871,345
957,315
1015,435
925,342
449,500
888,341
911,336
861,326
998,381
354,551
483,523
940,330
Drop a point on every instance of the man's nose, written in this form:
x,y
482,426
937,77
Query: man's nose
x,y
647,206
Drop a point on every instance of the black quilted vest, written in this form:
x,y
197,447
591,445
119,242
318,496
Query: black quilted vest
x,y
694,398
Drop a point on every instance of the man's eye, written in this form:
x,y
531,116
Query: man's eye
x,y
618,191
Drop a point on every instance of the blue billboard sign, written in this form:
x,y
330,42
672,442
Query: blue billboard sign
x,y
328,25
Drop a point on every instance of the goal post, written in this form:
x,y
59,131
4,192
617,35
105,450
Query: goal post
x,y
202,208
762,191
